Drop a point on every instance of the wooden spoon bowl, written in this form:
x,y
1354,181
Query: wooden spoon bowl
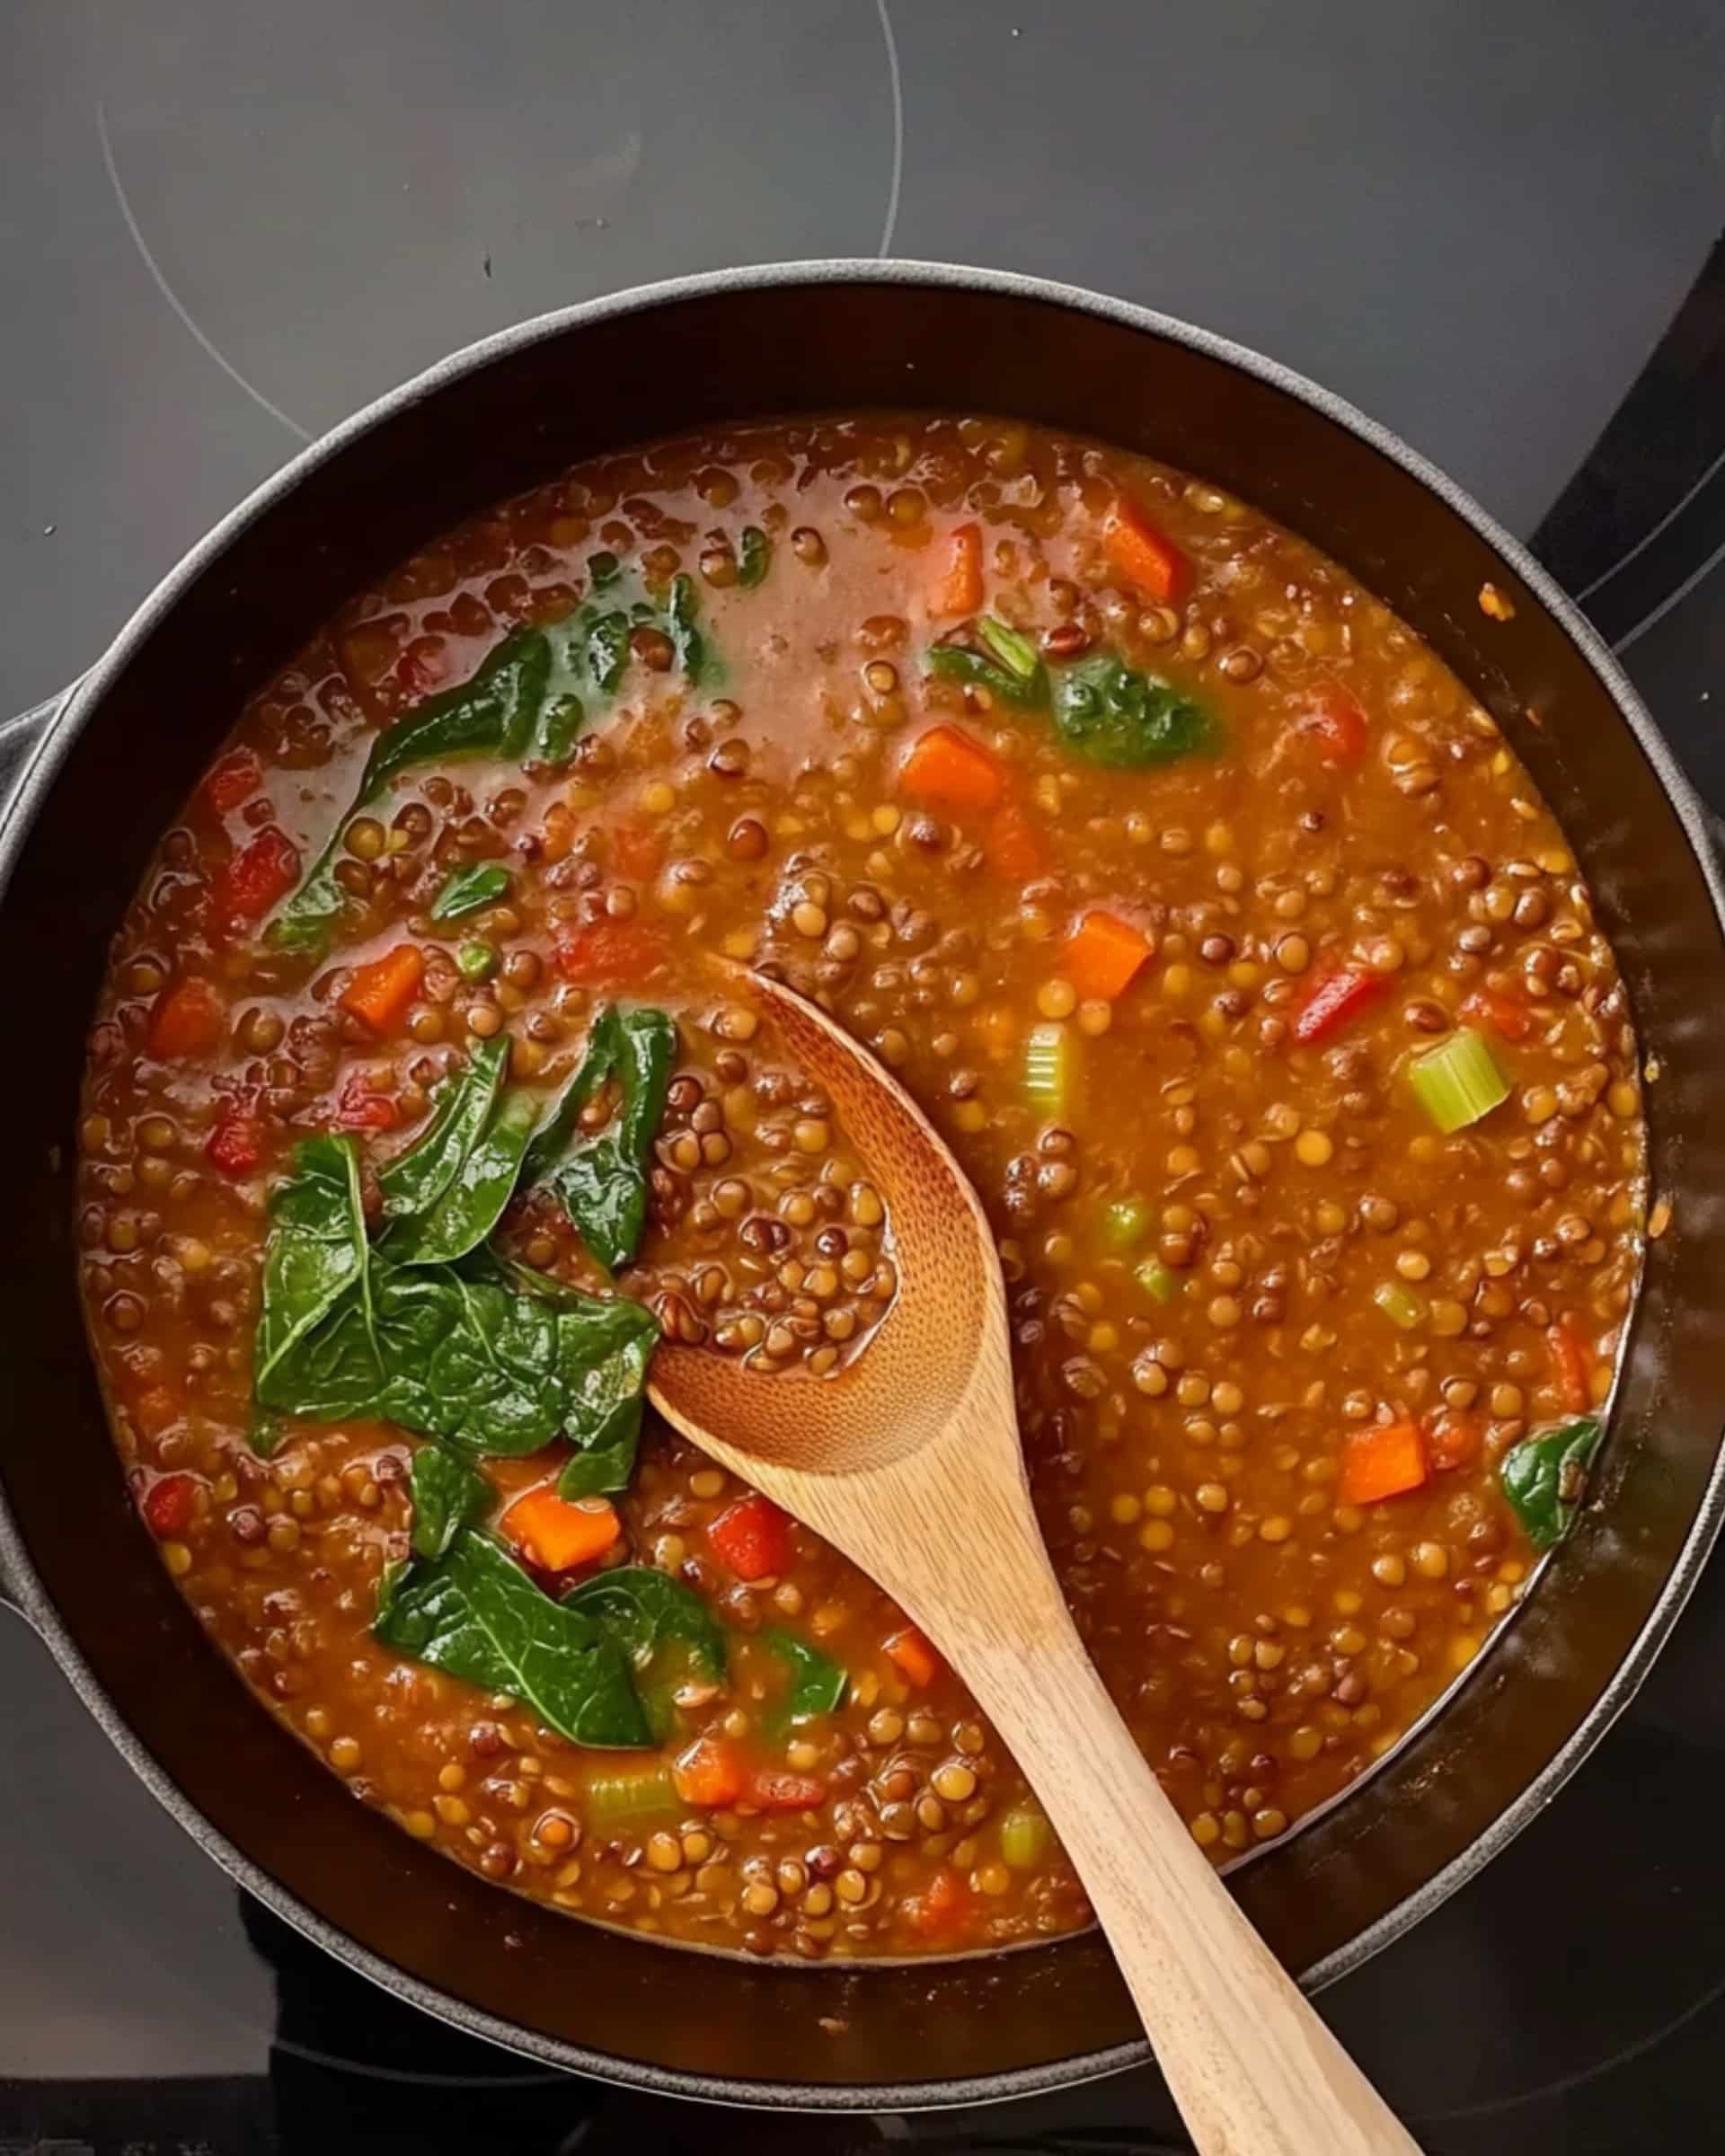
x,y
907,1458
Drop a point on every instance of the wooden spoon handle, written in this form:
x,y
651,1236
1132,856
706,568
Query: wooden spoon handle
x,y
1254,2071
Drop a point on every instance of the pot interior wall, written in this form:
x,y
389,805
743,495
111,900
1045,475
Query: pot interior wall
x,y
473,438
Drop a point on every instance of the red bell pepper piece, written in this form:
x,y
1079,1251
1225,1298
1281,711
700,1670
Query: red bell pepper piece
x,y
1509,1018
166,1505
942,1905
259,877
361,1108
752,1537
236,1146
610,953
1337,998
1332,722
233,782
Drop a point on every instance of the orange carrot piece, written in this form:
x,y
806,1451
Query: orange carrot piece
x,y
711,1773
189,1020
558,1536
381,992
1382,1461
948,770
912,1655
1569,1367
1103,955
1139,553
960,588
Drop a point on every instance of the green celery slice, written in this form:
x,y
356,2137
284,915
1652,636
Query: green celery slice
x,y
1399,1304
1458,1082
1048,1060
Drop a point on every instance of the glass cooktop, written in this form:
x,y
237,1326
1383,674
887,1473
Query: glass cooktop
x,y
223,226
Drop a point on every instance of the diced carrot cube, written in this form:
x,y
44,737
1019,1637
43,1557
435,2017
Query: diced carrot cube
x,y
1103,955
1382,1461
380,993
558,1534
1140,554
913,1657
947,769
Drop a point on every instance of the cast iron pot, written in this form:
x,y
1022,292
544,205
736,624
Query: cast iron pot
x,y
112,765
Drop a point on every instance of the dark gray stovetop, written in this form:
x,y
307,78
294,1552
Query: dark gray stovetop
x,y
223,226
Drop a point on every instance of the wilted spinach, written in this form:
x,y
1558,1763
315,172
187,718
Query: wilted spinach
x,y
468,889
416,1179
317,1254
1107,712
981,669
474,1200
818,1683
474,1612
447,1494
430,1329
648,1612
526,703
1545,1476
602,1179
753,557
469,721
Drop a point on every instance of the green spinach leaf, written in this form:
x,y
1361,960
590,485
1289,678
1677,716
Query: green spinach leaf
x,y
316,1256
602,1179
560,1128
686,639
1112,715
962,662
753,557
527,703
468,889
447,1494
415,1181
1545,1476
818,1683
647,1611
469,721
475,1197
474,1613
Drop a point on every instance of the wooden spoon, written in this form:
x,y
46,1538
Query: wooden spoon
x,y
909,1460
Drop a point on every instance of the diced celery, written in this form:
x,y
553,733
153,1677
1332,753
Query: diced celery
x,y
1126,1224
1015,652
621,1797
1458,1082
1399,1303
1159,1280
1024,1836
1049,1059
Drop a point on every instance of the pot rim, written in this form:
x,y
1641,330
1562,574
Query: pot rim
x,y
20,1583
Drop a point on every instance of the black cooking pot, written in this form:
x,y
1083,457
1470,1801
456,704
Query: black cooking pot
x,y
107,773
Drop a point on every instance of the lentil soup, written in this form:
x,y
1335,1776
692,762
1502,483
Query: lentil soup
x,y
1215,925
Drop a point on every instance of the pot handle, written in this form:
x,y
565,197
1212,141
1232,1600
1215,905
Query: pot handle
x,y
20,738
